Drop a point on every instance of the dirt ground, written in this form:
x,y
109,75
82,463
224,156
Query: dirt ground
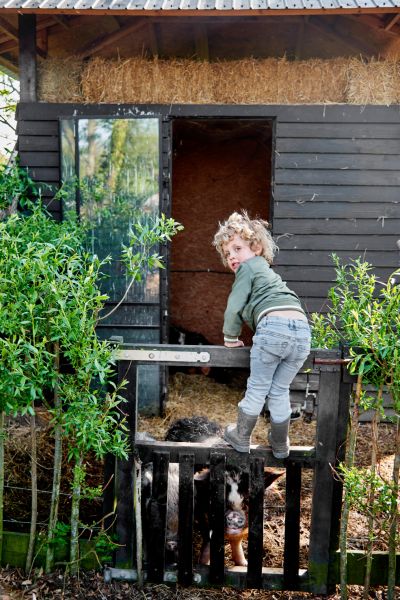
x,y
90,585
197,395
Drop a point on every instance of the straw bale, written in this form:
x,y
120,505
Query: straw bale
x,y
311,81
247,81
59,80
374,82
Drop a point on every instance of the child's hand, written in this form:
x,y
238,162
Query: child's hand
x,y
237,344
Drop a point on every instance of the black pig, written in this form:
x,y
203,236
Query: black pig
x,y
200,429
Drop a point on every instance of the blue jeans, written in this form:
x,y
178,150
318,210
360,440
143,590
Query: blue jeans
x,y
280,347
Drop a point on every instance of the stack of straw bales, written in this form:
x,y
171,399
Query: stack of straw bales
x,y
248,81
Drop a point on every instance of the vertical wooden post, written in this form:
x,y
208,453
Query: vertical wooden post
x,y
124,476
185,539
27,57
158,517
291,560
217,517
256,523
346,386
323,485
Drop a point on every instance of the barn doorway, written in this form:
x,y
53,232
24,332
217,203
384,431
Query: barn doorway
x,y
219,166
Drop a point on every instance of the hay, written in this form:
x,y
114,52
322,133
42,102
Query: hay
x,y
312,81
191,395
375,82
248,81
59,80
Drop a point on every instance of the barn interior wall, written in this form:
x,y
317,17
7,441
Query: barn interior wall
x,y
218,167
336,182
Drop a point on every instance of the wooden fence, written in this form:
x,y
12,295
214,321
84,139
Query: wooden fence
x,y
324,374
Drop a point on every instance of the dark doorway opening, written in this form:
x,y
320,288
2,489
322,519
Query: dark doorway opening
x,y
219,166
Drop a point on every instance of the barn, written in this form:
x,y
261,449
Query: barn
x,y
289,109
196,108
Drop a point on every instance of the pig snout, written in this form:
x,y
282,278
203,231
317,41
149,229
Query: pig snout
x,y
235,522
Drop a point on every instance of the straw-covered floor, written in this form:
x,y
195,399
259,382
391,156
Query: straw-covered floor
x,y
247,81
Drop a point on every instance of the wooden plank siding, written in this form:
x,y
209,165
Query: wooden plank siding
x,y
336,180
336,190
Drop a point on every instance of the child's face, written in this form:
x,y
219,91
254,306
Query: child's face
x,y
237,251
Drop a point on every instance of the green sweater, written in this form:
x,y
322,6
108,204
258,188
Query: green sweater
x,y
257,289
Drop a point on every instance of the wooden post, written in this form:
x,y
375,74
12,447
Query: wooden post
x,y
185,539
27,57
217,517
291,560
346,386
158,517
323,485
124,475
256,523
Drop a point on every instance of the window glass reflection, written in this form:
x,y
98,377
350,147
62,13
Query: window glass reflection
x,y
118,178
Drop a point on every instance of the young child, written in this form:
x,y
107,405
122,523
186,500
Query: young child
x,y
281,342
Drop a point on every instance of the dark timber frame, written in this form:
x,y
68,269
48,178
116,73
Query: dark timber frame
x,y
27,57
334,393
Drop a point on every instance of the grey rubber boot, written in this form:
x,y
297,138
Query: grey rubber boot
x,y
278,438
238,435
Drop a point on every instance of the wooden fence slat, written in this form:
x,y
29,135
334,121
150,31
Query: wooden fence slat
x,y
124,481
185,536
256,523
291,559
321,515
158,517
343,415
217,517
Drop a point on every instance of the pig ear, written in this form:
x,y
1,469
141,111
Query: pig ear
x,y
203,475
271,475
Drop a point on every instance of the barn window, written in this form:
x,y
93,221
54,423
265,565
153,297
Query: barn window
x,y
110,172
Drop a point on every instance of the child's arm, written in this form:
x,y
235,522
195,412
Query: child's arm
x,y
237,300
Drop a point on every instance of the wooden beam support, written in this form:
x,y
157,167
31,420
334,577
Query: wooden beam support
x,y
391,21
375,24
355,45
63,21
153,38
300,39
12,45
27,58
9,65
109,39
42,42
8,29
201,42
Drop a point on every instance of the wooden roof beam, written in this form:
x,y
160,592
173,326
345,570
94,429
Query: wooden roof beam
x,y
12,45
300,39
373,23
153,38
104,41
391,21
201,42
63,21
356,45
9,64
11,31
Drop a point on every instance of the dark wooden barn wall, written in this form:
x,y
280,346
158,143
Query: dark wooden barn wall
x,y
336,179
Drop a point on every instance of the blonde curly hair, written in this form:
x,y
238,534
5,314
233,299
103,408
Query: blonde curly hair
x,y
254,231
